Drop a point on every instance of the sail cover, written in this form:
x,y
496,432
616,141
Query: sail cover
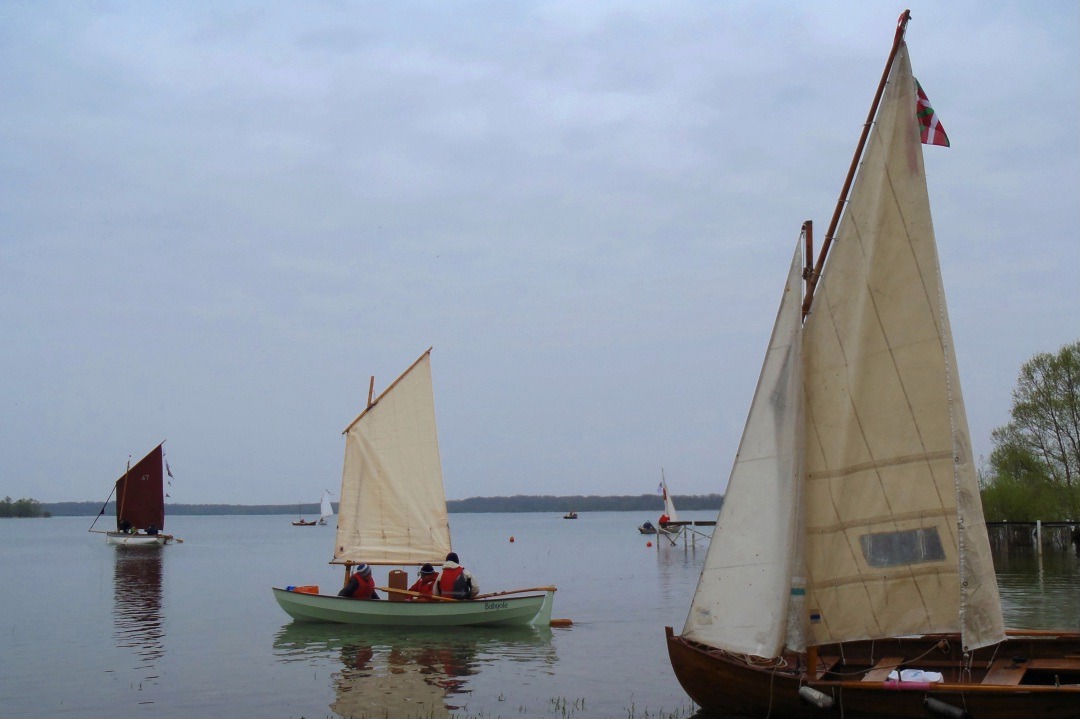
x,y
895,537
742,598
393,506
140,494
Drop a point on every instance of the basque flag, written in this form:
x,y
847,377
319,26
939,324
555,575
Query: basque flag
x,y
931,131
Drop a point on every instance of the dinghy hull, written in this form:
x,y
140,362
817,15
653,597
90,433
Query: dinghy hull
x,y
123,539
532,610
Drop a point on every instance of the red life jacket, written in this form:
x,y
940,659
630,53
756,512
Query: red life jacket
x,y
447,578
425,584
365,587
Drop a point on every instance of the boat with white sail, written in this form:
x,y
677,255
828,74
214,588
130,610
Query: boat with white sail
x,y
665,524
850,572
326,509
392,511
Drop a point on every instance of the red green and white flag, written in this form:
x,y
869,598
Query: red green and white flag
x,y
931,131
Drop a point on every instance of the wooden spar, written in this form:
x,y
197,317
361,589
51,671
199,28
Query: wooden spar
x,y
436,597
370,391
383,394
102,512
815,274
808,254
515,591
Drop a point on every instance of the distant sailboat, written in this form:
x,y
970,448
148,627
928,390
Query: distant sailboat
x,y
326,510
669,515
300,521
140,503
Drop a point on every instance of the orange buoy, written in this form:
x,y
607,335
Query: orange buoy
x,y
511,539
648,544
562,622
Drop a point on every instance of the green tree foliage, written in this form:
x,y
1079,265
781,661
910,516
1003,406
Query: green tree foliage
x,y
1034,470
21,508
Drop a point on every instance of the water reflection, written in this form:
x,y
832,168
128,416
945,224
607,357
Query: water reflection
x,y
411,673
137,617
1038,591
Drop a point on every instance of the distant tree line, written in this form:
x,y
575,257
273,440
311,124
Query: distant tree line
x,y
22,508
518,503
1034,468
89,509
580,503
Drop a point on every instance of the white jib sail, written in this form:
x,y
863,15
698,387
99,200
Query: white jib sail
x,y
393,506
743,593
894,526
669,506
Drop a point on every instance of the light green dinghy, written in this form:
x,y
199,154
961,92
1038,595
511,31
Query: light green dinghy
x,y
393,512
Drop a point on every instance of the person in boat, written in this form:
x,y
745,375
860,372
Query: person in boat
x,y
647,525
664,519
361,584
455,580
125,526
152,530
425,583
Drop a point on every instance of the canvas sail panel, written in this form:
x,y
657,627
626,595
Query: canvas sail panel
x,y
743,594
140,492
887,450
393,506
326,509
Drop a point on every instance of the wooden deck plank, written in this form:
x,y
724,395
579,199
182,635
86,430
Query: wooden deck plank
x,y
881,670
1004,671
1055,664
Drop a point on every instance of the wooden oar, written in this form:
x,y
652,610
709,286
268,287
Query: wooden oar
x,y
515,591
436,597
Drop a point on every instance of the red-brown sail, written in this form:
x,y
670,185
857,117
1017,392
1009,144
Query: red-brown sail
x,y
140,493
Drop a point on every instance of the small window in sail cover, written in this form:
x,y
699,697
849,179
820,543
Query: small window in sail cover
x,y
912,546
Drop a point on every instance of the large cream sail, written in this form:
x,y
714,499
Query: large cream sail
x,y
393,505
895,538
743,594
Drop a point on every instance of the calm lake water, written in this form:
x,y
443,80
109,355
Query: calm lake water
x,y
192,630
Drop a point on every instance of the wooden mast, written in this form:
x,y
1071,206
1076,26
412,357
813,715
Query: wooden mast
x,y
815,273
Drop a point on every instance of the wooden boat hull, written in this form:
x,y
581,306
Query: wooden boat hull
x,y
302,523
122,539
724,683
532,610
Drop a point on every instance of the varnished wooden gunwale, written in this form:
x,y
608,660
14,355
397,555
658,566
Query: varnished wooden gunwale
x,y
720,683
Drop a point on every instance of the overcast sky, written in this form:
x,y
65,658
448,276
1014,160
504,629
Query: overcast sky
x,y
218,219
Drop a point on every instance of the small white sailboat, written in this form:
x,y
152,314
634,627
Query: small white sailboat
x,y
326,509
140,503
851,551
665,524
393,512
